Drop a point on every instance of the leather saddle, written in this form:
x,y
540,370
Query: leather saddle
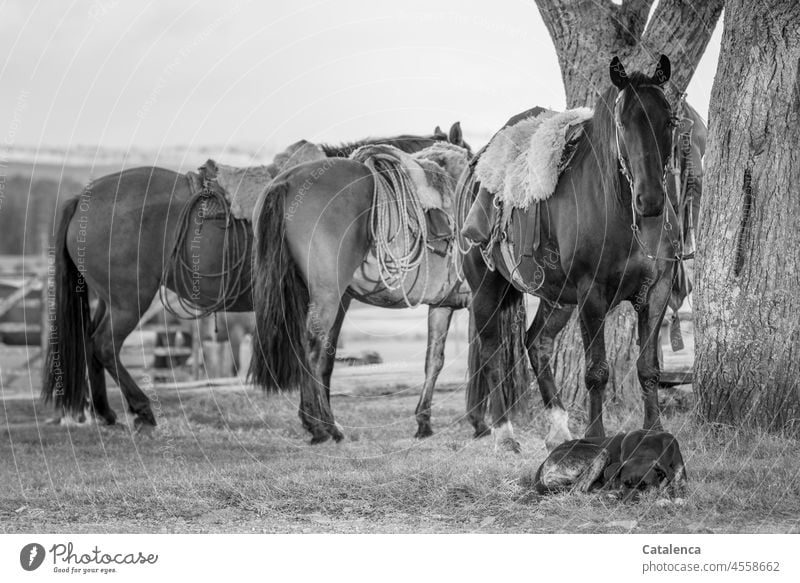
x,y
440,231
484,216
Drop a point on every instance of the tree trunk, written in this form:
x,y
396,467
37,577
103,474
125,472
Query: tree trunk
x,y
747,367
587,34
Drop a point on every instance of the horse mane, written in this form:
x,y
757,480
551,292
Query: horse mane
x,y
600,137
406,143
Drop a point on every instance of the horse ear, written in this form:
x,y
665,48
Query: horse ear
x,y
455,137
439,133
663,70
618,75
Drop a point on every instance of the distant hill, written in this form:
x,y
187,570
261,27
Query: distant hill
x,y
83,163
34,180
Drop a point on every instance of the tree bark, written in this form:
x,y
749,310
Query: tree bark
x,y
747,367
587,34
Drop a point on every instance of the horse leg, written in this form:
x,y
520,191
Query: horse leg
x,y
648,366
593,310
97,373
550,319
107,342
329,356
315,408
438,323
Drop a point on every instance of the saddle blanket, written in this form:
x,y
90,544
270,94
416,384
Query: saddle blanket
x,y
522,162
243,186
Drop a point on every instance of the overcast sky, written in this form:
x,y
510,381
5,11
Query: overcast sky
x,y
150,74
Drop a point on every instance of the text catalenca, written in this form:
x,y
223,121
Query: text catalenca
x,y
65,554
670,550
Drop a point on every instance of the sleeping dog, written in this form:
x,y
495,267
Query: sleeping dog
x,y
631,462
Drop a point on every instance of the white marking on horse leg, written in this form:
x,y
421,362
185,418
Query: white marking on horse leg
x,y
559,428
504,438
72,419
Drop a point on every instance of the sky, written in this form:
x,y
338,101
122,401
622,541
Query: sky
x,y
150,74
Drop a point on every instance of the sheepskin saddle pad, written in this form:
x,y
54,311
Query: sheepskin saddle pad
x,y
522,162
243,186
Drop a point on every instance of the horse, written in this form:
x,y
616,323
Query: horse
x,y
605,236
114,240
330,231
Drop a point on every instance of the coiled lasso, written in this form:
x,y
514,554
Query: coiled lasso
x,y
397,224
235,261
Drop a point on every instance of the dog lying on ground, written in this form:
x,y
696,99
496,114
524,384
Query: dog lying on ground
x,y
630,462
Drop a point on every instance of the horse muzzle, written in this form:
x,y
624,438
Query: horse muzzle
x,y
647,206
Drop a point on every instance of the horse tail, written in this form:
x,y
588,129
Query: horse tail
x,y
64,374
280,298
477,388
513,365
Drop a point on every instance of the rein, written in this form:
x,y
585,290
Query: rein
x,y
671,166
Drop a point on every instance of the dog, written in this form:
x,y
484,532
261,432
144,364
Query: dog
x,y
628,462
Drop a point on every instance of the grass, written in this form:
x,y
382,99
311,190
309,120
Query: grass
x,y
235,460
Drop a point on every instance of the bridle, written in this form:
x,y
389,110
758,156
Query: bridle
x,y
671,166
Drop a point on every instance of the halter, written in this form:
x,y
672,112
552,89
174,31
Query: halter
x,y
671,164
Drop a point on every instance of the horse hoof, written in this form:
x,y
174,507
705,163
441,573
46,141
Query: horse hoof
x,y
336,433
511,444
482,431
144,429
108,418
144,423
424,430
317,439
594,433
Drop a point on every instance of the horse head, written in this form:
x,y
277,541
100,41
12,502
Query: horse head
x,y
644,129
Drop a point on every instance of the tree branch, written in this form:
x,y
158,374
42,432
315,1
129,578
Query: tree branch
x,y
680,29
588,33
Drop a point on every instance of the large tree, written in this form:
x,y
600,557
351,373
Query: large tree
x,y
747,367
586,35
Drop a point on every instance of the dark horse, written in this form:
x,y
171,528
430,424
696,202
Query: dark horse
x,y
320,242
115,240
606,236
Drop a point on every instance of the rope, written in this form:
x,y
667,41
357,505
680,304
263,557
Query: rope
x,y
397,224
235,260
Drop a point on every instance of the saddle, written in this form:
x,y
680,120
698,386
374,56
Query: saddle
x,y
440,231
499,188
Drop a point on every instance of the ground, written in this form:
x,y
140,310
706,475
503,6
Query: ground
x,y
232,459
235,460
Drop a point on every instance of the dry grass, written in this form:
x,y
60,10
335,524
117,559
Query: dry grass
x,y
237,461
